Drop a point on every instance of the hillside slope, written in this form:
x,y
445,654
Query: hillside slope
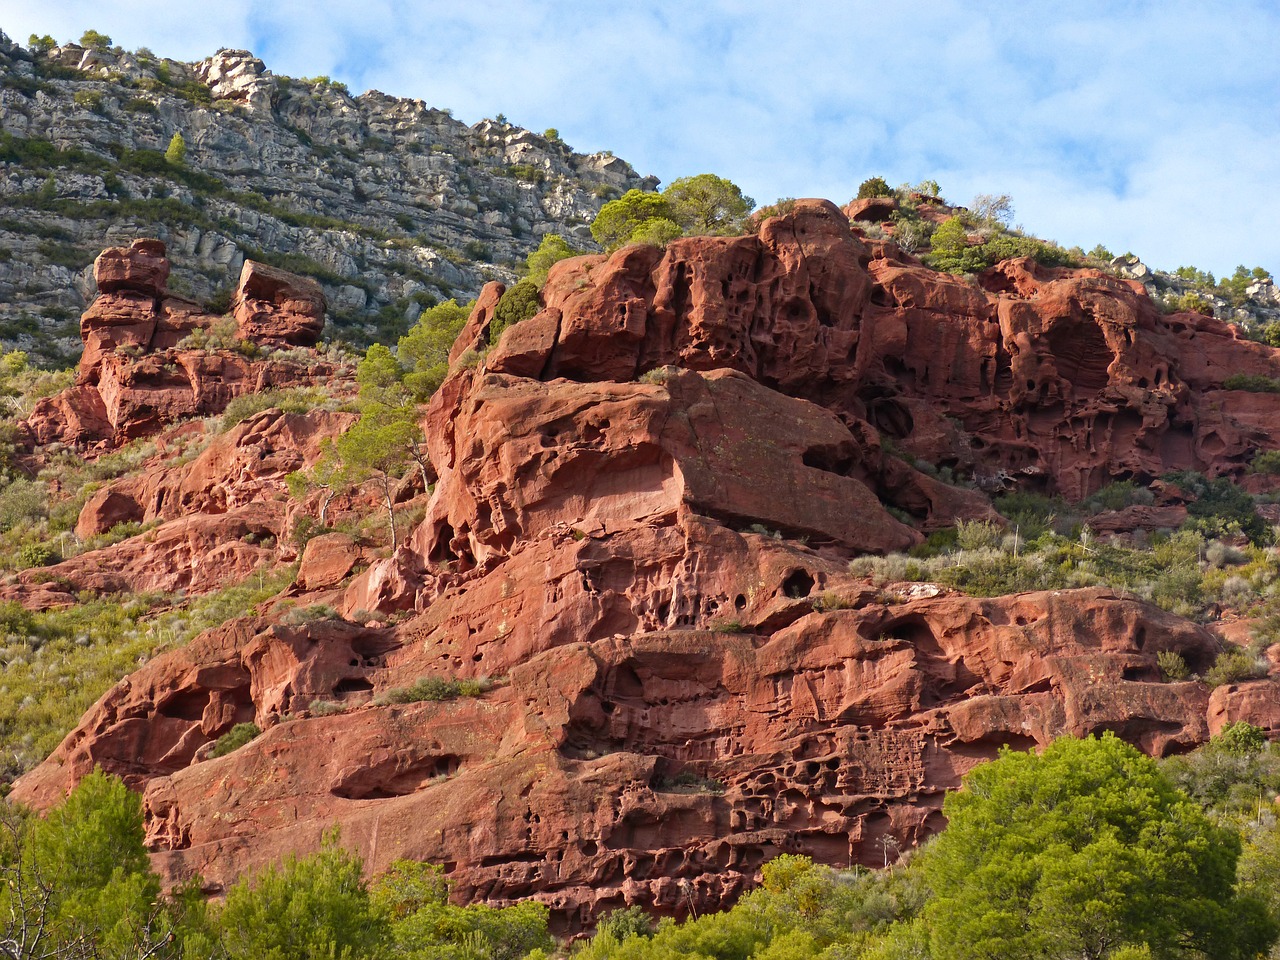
x,y
389,203
640,639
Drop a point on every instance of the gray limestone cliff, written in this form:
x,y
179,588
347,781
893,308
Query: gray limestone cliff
x,y
391,205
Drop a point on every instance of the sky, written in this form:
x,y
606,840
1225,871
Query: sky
x,y
1150,127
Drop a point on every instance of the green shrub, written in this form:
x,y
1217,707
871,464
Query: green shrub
x,y
326,708
433,689
978,535
235,738
551,251
1234,666
874,187
36,555
625,922
94,40
300,616
290,400
88,99
831,600
1266,461
1252,382
1173,666
1117,496
518,303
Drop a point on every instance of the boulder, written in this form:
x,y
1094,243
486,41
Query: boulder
x,y
276,308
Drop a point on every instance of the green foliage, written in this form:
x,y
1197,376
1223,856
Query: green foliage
x,y
551,251
703,204
94,40
625,922
1235,666
176,153
41,45
1173,666
288,400
801,911
1233,287
235,738
657,232
1221,508
80,879
1266,461
619,219
423,352
1080,851
1239,739
1252,382
951,251
874,187
434,689
139,105
1118,495
707,204
88,99
519,302
1190,302
317,908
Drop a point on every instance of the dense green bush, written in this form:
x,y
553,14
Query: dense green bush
x,y
551,251
703,204
1266,461
423,352
1235,666
434,689
235,738
520,302
1077,852
874,187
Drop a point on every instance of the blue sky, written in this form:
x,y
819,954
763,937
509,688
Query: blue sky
x,y
1151,127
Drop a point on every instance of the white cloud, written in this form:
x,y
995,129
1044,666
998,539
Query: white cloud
x,y
1141,125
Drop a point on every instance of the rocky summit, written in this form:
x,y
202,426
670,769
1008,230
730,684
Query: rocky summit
x,y
386,202
633,561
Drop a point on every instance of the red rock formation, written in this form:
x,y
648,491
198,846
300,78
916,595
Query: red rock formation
x,y
135,378
275,308
646,497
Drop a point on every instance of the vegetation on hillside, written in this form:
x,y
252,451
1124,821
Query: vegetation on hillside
x,y
1089,849
703,204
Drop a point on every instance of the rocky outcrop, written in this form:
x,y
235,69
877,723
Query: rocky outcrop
x,y
275,308
648,767
646,498
388,203
1057,379
142,369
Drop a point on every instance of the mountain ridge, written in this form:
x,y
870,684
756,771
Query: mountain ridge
x,y
390,204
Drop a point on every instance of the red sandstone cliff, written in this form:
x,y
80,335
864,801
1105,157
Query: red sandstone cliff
x,y
647,497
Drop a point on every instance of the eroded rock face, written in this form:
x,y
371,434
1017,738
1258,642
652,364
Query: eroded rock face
x,y
275,308
807,731
646,498
1058,379
137,375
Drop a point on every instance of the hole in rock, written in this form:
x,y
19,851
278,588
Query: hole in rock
x,y
352,685
396,778
1081,354
799,584
185,706
740,602
891,416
